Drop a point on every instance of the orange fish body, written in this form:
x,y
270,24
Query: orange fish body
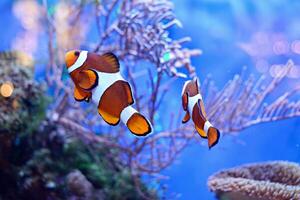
x,y
98,77
192,103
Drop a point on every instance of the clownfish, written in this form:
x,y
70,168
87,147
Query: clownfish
x,y
98,78
192,103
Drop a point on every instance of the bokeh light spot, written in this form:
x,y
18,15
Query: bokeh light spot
x,y
262,65
6,89
281,47
296,46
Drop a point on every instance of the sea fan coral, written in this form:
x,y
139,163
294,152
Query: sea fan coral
x,y
242,101
278,180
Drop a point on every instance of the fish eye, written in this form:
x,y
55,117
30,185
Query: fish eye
x,y
76,53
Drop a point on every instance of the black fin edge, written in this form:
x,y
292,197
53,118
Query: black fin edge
x,y
96,82
146,133
130,103
217,141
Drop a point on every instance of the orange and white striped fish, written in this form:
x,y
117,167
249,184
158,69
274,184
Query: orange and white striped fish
x,y
97,77
192,103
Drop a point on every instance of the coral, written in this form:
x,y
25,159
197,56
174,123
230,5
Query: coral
x,y
28,96
277,180
141,33
79,185
45,165
242,102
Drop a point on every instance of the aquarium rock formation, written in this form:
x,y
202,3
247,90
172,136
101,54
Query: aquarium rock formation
x,y
277,180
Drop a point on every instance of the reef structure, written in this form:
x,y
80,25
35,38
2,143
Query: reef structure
x,y
276,180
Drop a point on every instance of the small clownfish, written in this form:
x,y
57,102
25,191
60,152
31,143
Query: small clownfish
x,y
192,103
98,77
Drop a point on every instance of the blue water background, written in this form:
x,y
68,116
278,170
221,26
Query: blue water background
x,y
217,27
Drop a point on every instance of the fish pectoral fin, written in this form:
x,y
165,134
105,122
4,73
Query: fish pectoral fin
x,y
213,136
186,118
139,125
197,84
201,132
80,94
112,60
185,100
88,79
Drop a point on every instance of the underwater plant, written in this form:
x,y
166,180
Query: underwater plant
x,y
259,181
137,31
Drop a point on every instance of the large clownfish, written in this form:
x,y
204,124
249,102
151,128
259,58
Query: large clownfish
x,y
193,105
98,77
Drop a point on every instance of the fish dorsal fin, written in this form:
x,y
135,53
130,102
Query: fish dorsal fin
x,y
197,85
112,60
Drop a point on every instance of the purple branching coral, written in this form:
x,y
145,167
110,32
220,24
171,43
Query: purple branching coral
x,y
276,180
242,102
137,31
140,31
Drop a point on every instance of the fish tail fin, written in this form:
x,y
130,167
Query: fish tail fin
x,y
213,136
136,122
